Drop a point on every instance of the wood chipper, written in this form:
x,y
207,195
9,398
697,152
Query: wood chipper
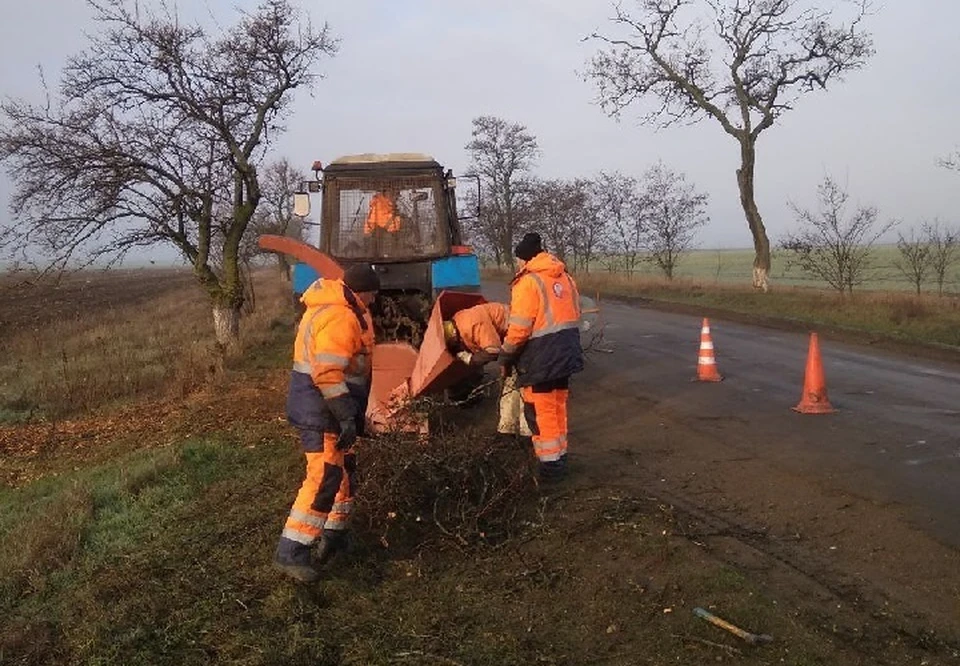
x,y
397,212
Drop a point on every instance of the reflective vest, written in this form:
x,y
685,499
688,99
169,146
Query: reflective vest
x,y
544,324
331,355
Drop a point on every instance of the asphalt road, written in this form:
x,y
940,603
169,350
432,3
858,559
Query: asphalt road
x,y
895,438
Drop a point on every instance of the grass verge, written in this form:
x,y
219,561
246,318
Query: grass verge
x,y
867,316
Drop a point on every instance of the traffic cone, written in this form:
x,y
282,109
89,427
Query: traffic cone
x,y
814,399
706,363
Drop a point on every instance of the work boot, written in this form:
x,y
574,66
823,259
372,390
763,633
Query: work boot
x,y
293,559
553,471
303,573
331,543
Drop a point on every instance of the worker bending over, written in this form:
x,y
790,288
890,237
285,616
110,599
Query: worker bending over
x,y
476,334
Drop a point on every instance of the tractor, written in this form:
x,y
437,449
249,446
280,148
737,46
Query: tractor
x,y
399,213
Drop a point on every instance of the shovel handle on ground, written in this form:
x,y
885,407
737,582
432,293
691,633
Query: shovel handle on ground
x,y
752,639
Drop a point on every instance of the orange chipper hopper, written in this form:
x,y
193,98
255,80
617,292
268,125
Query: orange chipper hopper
x,y
400,373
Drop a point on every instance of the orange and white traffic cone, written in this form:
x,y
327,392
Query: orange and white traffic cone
x,y
706,363
814,399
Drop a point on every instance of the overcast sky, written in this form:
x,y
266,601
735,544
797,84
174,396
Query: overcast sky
x,y
411,74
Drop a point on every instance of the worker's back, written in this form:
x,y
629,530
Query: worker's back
x,y
482,327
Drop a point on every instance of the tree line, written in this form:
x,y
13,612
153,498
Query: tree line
x,y
615,219
835,243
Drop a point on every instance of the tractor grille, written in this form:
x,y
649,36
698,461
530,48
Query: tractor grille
x,y
393,219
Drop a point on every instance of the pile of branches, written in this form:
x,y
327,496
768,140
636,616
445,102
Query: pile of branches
x,y
459,488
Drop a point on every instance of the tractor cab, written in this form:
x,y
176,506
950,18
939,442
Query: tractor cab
x,y
398,212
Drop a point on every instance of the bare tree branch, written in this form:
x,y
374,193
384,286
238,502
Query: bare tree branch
x,y
502,153
830,244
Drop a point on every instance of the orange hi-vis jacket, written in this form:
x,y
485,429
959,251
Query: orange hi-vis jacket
x,y
382,214
482,327
330,381
544,324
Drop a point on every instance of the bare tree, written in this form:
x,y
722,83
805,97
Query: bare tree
x,y
674,213
156,139
951,161
914,261
832,246
619,204
592,227
762,56
502,154
944,247
557,211
275,216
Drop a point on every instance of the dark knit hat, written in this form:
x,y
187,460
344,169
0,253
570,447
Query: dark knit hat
x,y
529,246
361,277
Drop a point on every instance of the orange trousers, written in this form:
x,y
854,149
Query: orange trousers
x,y
325,499
546,410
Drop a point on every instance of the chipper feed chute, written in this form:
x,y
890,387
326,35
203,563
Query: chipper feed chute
x,y
400,373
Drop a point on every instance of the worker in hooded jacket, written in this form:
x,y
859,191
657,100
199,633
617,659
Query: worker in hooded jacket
x,y
543,344
326,403
475,335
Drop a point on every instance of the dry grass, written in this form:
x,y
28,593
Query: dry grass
x,y
105,342
894,315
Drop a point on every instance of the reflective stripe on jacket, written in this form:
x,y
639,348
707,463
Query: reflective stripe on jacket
x,y
482,327
331,356
544,322
382,214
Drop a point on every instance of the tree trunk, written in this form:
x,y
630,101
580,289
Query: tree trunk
x,y
284,266
226,326
761,244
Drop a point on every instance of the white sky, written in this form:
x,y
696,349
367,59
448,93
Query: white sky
x,y
411,75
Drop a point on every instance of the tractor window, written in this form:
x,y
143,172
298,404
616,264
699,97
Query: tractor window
x,y
399,218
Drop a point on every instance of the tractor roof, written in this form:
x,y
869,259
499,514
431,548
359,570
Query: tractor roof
x,y
368,161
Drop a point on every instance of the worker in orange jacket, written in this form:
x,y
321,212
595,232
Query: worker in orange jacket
x,y
476,335
543,344
326,403
382,213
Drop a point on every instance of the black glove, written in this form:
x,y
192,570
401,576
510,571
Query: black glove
x,y
507,361
343,407
482,358
348,435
